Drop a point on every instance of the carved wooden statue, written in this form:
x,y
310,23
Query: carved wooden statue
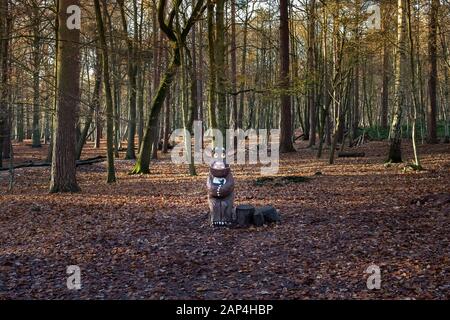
x,y
220,190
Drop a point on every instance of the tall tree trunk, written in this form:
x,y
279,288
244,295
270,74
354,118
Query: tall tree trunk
x,y
140,102
413,86
63,171
187,72
286,131
167,112
212,67
194,75
240,114
234,107
395,151
446,89
36,143
156,140
312,73
111,177
385,87
176,41
325,110
4,49
132,76
356,107
200,74
432,72
116,87
386,66
220,65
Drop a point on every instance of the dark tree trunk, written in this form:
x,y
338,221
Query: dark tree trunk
x,y
286,130
111,178
432,72
63,172
312,74
234,107
176,41
36,143
220,66
212,68
240,114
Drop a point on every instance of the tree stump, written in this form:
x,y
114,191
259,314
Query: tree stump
x,y
258,218
269,213
244,215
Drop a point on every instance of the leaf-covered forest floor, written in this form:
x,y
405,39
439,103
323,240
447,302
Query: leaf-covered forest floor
x,y
147,237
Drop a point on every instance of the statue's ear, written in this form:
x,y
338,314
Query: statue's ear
x,y
208,155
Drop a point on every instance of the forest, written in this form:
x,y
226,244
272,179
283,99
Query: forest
x,y
224,149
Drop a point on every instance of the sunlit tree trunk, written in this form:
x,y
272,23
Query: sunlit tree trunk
x,y
395,150
413,77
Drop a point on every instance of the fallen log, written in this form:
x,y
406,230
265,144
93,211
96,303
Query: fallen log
x,y
91,161
32,164
351,154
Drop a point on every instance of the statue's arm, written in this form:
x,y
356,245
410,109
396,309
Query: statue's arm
x,y
228,187
212,188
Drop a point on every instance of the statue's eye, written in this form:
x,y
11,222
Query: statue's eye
x,y
224,155
216,155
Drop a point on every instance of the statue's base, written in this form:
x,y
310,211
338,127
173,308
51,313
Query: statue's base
x,y
221,211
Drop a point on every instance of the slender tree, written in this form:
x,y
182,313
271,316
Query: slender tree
x,y
36,143
111,178
176,40
220,71
132,75
413,77
432,72
312,105
4,48
286,131
386,67
395,150
212,67
234,107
